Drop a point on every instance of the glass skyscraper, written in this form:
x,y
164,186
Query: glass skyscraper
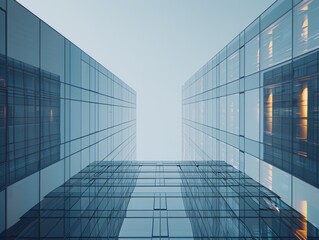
x,y
60,110
162,200
68,166
255,105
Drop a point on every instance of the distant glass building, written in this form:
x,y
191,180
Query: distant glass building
x,y
255,105
161,200
60,110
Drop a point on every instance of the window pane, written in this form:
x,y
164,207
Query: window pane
x,y
75,116
23,195
222,151
75,66
233,114
252,30
52,51
3,4
274,12
3,103
233,46
222,116
208,81
2,211
252,166
214,77
85,75
306,27
233,67
252,56
214,111
222,73
222,54
252,114
2,33
276,42
242,113
23,34
233,156
242,62
2,126
85,118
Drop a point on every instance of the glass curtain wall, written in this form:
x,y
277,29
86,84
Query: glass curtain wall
x,y
261,98
60,110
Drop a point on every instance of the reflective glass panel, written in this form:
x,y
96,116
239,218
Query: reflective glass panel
x,y
104,201
306,27
252,56
3,4
52,51
276,42
233,67
223,112
222,73
233,114
2,33
252,114
23,34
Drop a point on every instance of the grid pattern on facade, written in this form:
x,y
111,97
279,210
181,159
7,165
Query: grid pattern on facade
x,y
255,104
57,103
162,200
59,108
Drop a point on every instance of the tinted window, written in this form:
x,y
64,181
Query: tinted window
x,y
252,56
23,34
306,27
252,114
222,73
276,42
2,33
52,51
233,67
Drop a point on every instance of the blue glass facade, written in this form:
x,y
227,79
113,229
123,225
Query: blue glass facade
x,y
250,133
60,110
255,105
161,200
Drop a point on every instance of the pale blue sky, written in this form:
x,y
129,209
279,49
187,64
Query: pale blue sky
x,y
154,46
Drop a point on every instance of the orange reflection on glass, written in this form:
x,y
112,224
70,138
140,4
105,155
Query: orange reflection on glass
x,y
270,49
269,112
304,32
304,114
270,44
305,8
302,233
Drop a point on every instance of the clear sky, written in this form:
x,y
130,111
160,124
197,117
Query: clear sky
x,y
154,46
